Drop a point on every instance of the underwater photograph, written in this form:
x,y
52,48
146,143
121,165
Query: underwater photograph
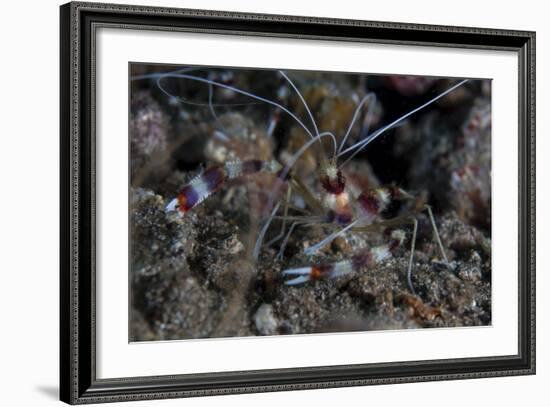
x,y
277,202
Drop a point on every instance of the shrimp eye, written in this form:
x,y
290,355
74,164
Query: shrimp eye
x,y
334,185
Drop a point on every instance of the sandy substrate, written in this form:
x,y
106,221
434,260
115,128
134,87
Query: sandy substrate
x,y
194,276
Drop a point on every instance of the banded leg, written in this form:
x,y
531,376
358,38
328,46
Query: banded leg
x,y
401,220
409,269
366,258
210,181
436,235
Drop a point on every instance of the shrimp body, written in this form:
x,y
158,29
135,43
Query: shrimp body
x,y
336,198
342,207
337,206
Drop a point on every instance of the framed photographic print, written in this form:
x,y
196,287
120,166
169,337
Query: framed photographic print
x,y
257,203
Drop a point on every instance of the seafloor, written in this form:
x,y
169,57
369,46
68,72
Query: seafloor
x,y
194,276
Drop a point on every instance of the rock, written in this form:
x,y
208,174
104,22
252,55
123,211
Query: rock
x,y
452,160
265,320
149,127
160,243
181,308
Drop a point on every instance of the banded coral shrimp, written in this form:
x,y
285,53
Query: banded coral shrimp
x,y
290,200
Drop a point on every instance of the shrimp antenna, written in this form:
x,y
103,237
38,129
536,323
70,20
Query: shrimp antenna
x,y
363,143
160,76
371,103
302,99
240,91
213,112
303,149
157,75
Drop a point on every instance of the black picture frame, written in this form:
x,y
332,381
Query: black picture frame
x,y
78,382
